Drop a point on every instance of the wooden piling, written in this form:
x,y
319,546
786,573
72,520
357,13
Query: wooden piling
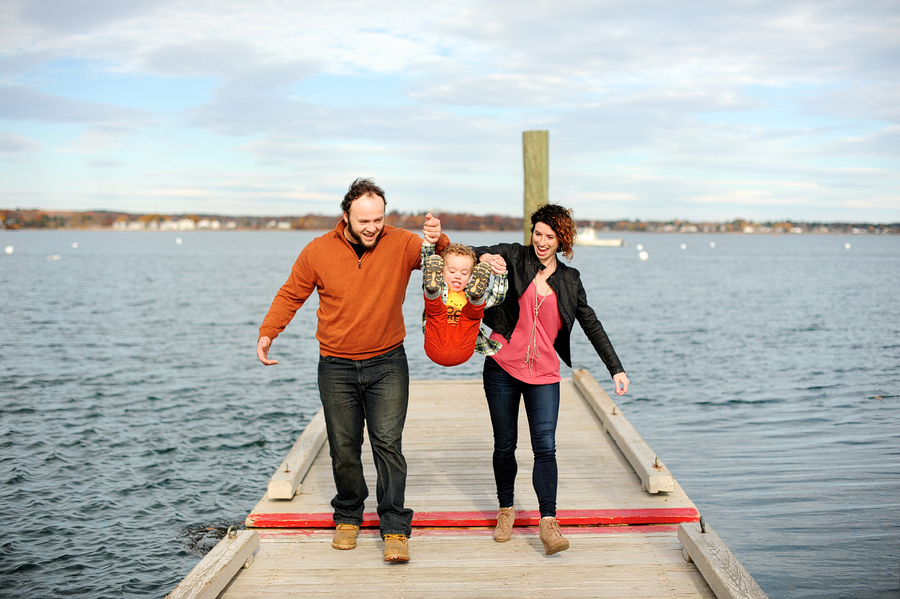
x,y
536,159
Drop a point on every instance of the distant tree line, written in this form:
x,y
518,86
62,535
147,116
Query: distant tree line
x,y
102,219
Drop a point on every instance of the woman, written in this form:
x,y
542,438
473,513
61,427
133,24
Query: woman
x,y
532,326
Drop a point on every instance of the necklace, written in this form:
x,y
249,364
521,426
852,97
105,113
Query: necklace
x,y
531,352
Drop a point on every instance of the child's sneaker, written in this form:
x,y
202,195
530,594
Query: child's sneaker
x,y
434,266
481,276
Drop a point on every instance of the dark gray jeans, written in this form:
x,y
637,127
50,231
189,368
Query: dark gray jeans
x,y
371,394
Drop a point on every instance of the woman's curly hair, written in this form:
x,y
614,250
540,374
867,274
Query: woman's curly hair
x,y
560,220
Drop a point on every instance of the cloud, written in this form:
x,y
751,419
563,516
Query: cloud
x,y
202,58
106,164
23,103
10,143
67,16
651,106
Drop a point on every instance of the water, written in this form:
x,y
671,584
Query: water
x,y
137,423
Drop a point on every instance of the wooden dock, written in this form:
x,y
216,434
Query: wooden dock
x,y
632,529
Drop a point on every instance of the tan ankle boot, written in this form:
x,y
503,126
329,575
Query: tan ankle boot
x,y
345,536
551,537
505,519
396,548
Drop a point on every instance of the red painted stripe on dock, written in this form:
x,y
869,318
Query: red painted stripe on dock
x,y
453,519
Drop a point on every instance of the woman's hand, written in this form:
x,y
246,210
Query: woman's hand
x,y
495,261
498,264
621,382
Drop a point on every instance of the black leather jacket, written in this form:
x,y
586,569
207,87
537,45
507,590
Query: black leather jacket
x,y
522,265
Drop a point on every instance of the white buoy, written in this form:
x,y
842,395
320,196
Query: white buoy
x,y
644,256
178,240
640,246
75,245
55,257
684,246
9,249
712,244
847,246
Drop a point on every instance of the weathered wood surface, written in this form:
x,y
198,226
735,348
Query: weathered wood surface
x,y
536,167
655,477
286,482
723,572
619,562
218,567
448,446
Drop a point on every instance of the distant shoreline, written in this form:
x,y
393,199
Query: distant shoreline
x,y
100,220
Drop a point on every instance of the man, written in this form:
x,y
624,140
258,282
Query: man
x,y
360,270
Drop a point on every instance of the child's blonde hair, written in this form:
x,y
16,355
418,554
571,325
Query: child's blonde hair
x,y
458,249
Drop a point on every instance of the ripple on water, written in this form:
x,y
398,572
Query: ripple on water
x,y
765,380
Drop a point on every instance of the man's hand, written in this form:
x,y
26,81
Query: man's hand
x,y
432,229
262,351
621,382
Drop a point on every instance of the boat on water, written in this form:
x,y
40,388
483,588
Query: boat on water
x,y
587,236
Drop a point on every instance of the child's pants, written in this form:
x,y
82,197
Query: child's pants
x,y
447,344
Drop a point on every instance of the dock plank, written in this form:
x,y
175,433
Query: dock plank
x,y
448,445
628,563
624,542
721,569
216,570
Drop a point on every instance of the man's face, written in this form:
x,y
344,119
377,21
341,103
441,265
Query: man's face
x,y
365,220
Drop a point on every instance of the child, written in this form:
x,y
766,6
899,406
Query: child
x,y
457,290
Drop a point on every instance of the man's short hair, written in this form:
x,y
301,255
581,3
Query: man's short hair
x,y
359,188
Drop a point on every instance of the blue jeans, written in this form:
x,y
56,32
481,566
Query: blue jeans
x,y
542,408
371,394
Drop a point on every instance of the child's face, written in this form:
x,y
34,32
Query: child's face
x,y
457,271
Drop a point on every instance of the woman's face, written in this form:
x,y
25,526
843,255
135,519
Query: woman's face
x,y
544,241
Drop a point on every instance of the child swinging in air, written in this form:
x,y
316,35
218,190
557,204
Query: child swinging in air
x,y
457,290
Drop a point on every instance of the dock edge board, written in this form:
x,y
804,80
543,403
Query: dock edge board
x,y
218,567
286,481
724,574
655,477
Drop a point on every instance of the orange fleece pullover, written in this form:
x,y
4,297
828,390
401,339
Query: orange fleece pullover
x,y
360,299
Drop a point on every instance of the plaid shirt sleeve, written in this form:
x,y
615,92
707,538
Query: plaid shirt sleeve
x,y
427,250
484,344
497,292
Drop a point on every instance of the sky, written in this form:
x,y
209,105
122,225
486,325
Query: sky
x,y
656,110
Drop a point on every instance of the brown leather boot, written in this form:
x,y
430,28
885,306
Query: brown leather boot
x,y
551,537
345,536
505,519
396,548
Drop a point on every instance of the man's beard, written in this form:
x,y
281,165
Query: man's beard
x,y
360,241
